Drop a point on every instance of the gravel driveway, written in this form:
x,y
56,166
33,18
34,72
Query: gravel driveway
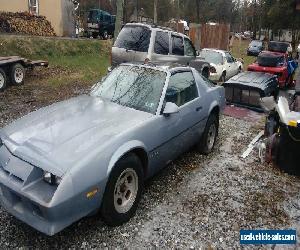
x,y
195,202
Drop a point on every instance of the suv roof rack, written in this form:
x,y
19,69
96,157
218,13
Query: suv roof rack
x,y
155,26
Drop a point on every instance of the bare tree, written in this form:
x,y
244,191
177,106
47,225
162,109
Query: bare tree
x,y
119,17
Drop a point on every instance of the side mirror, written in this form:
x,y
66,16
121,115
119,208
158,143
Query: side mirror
x,y
197,53
170,108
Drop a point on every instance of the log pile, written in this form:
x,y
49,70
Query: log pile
x,y
25,23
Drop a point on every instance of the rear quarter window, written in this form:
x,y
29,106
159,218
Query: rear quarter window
x,y
135,38
177,46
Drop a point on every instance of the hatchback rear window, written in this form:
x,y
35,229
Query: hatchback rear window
x,y
278,47
161,45
269,60
135,38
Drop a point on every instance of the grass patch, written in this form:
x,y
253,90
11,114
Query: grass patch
x,y
239,50
84,60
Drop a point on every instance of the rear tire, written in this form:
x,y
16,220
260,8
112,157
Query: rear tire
x,y
123,191
17,74
209,136
95,35
3,80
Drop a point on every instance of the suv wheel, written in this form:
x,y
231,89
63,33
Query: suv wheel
x,y
105,35
123,191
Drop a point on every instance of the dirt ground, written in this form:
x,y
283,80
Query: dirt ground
x,y
195,202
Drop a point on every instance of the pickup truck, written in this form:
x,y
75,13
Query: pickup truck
x,y
100,23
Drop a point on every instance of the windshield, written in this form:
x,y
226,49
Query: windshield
x,y
212,56
278,47
256,43
93,16
133,86
135,38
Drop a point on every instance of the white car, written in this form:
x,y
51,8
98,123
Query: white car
x,y
223,64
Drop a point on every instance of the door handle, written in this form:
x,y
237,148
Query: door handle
x,y
198,109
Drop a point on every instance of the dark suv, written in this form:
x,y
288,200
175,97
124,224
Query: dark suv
x,y
100,23
138,42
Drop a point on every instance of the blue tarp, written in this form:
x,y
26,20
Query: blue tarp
x,y
292,66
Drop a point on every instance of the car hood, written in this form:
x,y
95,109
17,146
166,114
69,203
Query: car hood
x,y
58,136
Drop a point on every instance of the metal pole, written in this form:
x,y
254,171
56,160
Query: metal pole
x,y
99,4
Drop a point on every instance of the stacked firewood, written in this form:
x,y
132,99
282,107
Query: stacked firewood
x,y
25,23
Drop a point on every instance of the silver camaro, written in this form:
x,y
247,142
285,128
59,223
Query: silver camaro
x,y
93,152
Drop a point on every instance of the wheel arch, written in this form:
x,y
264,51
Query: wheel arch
x,y
205,71
136,147
214,109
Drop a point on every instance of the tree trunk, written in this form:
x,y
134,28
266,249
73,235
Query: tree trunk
x,y
155,11
119,18
198,10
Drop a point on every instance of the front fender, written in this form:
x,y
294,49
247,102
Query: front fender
x,y
122,150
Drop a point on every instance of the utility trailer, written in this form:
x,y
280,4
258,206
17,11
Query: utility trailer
x,y
13,69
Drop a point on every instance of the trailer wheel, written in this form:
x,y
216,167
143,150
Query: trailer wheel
x,y
3,80
17,74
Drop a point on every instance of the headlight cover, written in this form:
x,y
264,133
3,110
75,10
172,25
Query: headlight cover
x,y
51,178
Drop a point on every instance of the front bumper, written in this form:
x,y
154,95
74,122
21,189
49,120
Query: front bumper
x,y
29,198
253,52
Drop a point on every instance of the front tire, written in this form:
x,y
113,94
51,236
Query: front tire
x,y
223,77
123,191
209,136
105,35
17,74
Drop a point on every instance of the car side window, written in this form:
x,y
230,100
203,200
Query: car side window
x,y
107,18
182,88
161,45
189,49
229,58
100,16
177,46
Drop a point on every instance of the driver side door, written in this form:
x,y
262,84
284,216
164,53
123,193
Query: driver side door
x,y
178,131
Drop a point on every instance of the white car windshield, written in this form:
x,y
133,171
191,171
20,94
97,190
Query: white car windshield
x,y
133,86
212,56
255,43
